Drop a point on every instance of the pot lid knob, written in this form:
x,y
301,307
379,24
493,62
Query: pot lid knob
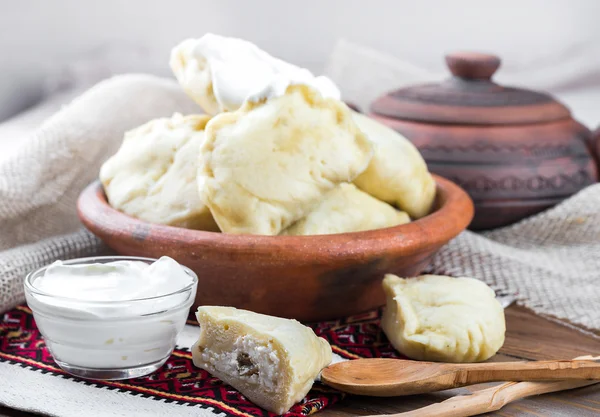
x,y
472,65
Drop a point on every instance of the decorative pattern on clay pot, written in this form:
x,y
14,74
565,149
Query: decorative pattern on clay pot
x,y
516,152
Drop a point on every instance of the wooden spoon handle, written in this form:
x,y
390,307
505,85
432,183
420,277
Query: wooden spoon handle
x,y
470,374
490,399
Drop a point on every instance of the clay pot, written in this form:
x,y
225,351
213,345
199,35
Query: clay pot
x,y
596,144
308,278
516,152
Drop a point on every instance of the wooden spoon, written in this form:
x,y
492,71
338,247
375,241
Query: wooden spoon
x,y
394,377
491,399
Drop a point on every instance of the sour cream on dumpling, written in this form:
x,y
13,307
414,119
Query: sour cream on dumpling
x,y
221,73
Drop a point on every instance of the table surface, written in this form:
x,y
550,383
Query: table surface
x,y
528,337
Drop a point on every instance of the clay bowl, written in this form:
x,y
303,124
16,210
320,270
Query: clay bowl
x,y
309,278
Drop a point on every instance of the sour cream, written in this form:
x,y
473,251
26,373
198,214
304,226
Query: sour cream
x,y
236,70
114,315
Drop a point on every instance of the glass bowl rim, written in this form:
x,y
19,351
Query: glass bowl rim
x,y
29,287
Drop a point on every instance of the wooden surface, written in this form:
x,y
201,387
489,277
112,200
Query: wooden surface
x,y
528,337
308,278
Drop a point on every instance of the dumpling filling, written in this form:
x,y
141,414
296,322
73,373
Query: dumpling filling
x,y
249,360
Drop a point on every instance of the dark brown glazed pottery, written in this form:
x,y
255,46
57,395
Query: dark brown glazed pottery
x,y
308,278
595,143
516,152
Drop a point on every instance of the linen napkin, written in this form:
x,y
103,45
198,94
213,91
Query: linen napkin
x,y
41,178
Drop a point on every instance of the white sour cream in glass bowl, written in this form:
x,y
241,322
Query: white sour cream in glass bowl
x,y
112,317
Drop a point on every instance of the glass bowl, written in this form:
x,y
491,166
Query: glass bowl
x,y
110,340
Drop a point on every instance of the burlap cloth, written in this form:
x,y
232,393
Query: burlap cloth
x,y
550,262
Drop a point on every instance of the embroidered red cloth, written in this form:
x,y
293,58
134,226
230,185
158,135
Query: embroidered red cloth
x,y
181,382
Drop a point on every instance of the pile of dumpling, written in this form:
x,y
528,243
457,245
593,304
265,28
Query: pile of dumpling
x,y
277,153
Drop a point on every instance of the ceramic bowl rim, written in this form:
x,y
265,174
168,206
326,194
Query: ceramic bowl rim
x,y
434,229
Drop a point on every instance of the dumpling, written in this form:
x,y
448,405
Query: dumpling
x,y
270,163
193,74
153,174
271,361
220,73
445,319
397,173
347,209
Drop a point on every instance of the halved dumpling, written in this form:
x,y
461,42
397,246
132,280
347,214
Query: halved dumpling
x,y
153,174
347,209
397,173
271,361
270,163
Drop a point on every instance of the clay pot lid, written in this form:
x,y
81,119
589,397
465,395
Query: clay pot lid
x,y
470,97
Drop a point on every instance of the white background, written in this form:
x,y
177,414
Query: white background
x,y
549,44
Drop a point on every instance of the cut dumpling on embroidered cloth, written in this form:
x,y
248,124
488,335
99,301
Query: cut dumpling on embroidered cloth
x,y
440,318
153,174
397,173
347,209
272,361
270,163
